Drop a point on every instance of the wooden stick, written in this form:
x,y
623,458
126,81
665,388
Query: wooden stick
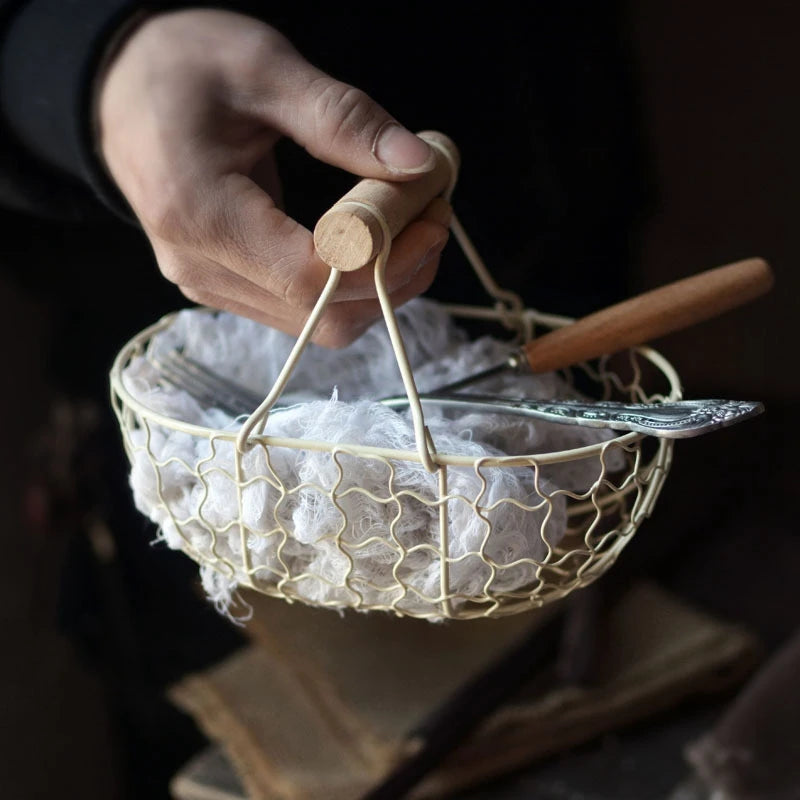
x,y
652,314
349,236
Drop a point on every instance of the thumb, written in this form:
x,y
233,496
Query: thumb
x,y
343,126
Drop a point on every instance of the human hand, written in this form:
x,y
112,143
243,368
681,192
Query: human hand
x,y
189,113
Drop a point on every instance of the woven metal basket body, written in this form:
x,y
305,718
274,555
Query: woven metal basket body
x,y
571,535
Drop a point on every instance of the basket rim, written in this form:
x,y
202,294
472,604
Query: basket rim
x,y
139,341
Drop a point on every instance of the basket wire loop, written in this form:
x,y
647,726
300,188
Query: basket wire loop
x,y
421,432
258,419
508,305
444,546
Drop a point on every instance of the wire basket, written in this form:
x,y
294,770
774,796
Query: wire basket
x,y
574,535
450,545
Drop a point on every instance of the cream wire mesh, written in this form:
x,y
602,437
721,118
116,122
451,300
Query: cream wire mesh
x,y
416,580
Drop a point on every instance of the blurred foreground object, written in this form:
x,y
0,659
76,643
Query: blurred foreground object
x,y
322,708
754,750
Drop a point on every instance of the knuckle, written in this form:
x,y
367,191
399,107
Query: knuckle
x,y
175,270
270,42
298,295
169,217
264,47
160,219
342,110
296,289
196,294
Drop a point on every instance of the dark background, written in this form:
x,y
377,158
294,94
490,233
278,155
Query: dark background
x,y
661,140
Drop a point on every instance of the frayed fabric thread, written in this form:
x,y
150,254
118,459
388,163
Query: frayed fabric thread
x,y
346,530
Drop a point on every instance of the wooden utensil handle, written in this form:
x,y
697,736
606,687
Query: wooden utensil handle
x,y
349,236
652,314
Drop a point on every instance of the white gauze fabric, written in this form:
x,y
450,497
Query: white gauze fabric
x,y
332,397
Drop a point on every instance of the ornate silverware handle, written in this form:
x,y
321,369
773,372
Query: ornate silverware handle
x,y
676,420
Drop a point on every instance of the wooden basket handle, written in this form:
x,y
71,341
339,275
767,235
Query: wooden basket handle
x,y
350,235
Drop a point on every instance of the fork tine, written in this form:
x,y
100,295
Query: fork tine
x,y
175,376
241,395
205,386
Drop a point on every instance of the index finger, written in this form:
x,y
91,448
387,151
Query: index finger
x,y
245,231
241,228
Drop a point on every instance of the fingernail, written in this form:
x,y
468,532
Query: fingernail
x,y
401,151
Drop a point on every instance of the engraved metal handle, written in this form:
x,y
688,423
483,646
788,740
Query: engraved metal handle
x,y
677,419
673,420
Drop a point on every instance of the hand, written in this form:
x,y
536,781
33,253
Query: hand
x,y
189,113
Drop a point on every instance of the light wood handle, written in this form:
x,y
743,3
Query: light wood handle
x,y
652,314
349,236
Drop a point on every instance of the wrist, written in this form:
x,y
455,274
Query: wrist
x,y
114,46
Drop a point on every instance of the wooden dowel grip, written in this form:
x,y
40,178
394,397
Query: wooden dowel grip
x,y
652,314
349,236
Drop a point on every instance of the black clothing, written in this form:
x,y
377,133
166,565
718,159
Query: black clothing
x,y
539,99
50,52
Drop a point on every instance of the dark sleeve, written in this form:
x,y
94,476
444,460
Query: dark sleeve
x,y
50,51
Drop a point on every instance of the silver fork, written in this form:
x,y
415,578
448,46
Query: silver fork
x,y
204,385
675,420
